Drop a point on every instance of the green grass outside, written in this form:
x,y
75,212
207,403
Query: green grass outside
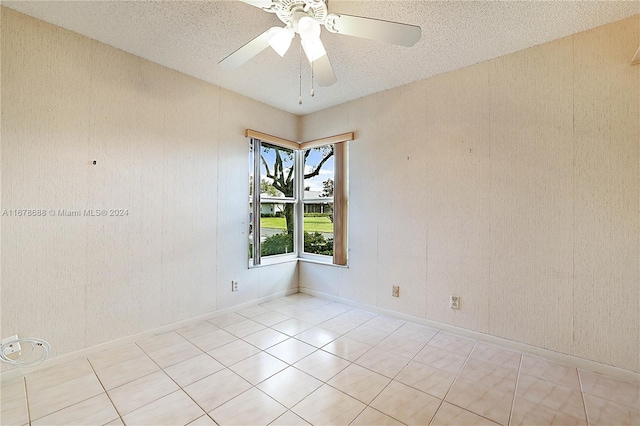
x,y
311,224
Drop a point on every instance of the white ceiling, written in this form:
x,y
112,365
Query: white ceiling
x,y
192,36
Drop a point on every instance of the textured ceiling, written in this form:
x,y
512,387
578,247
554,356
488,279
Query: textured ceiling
x,y
192,36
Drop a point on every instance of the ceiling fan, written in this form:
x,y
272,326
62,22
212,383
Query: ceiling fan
x,y
305,17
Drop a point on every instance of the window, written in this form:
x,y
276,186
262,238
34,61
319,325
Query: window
x,y
273,201
317,200
297,200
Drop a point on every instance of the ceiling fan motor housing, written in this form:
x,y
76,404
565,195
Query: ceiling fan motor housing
x,y
290,11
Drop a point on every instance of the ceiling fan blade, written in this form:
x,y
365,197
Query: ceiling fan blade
x,y
249,50
323,72
262,4
374,29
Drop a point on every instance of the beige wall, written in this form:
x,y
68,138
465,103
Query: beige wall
x,y
169,148
514,183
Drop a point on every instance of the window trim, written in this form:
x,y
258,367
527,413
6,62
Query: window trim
x,y
340,204
256,259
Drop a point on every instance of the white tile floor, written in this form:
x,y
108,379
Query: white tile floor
x,y
304,360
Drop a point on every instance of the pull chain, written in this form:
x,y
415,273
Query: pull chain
x,y
313,93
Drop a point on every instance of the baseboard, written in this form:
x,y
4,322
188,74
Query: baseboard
x,y
15,372
561,358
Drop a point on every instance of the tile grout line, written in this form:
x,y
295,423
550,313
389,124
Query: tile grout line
x,y
454,381
95,373
392,379
566,387
515,390
265,379
65,407
326,382
456,378
350,363
26,398
292,366
177,384
584,401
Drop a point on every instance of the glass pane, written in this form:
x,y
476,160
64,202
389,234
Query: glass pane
x,y
318,173
276,218
274,236
318,200
318,228
276,171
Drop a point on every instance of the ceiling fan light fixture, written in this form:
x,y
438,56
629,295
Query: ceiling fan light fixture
x,y
281,41
308,28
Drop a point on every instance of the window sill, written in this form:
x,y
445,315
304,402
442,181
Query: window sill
x,y
274,260
279,260
320,262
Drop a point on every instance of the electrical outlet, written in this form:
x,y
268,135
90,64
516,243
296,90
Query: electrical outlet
x,y
10,347
234,285
454,302
396,291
